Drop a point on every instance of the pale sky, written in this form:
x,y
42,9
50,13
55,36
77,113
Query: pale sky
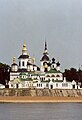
x,y
57,21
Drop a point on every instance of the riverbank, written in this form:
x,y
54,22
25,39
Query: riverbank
x,y
29,99
42,92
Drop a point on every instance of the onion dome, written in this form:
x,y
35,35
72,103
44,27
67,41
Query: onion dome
x,y
24,53
24,50
45,58
14,66
58,64
53,60
23,56
14,61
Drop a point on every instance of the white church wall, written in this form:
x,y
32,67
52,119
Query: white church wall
x,y
21,63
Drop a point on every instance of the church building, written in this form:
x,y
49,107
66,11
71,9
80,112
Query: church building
x,y
26,74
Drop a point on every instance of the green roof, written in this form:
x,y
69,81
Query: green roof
x,y
27,79
22,73
53,71
58,80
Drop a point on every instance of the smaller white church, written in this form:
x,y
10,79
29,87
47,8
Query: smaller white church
x,y
26,74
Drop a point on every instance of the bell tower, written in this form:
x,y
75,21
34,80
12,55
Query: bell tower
x,y
45,60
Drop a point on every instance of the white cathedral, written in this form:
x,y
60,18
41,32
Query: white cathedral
x,y
26,74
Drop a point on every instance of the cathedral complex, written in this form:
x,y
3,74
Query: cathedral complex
x,y
26,74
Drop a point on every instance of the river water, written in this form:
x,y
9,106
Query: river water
x,y
41,111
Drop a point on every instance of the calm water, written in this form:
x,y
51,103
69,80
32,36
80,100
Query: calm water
x,y
41,111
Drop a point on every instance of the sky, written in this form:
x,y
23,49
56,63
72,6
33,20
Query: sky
x,y
59,22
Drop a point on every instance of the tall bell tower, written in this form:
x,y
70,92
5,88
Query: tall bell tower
x,y
45,60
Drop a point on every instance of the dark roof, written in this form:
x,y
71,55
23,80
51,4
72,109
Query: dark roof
x,y
22,70
14,64
28,63
38,69
23,56
45,58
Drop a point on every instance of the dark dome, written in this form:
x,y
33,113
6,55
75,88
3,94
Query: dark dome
x,y
45,58
58,64
14,64
28,63
53,60
23,56
49,64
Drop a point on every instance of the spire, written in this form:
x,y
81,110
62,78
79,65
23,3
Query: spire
x,y
45,45
24,50
45,50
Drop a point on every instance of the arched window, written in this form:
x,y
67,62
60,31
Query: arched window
x,y
52,76
23,63
41,85
52,66
57,76
19,63
47,76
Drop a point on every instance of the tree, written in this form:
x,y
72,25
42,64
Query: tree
x,y
73,74
4,73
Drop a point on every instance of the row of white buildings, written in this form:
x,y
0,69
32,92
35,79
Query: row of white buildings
x,y
26,74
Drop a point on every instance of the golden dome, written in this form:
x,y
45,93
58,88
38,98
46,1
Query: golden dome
x,y
33,60
46,66
14,59
24,50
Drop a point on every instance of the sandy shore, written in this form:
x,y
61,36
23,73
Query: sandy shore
x,y
28,99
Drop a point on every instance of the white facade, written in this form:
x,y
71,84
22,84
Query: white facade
x,y
54,76
14,75
23,63
38,81
56,85
18,83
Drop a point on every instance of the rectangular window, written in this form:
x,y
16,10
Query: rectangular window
x,y
47,85
19,63
23,63
56,84
64,84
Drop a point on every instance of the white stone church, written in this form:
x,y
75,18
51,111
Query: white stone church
x,y
26,74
